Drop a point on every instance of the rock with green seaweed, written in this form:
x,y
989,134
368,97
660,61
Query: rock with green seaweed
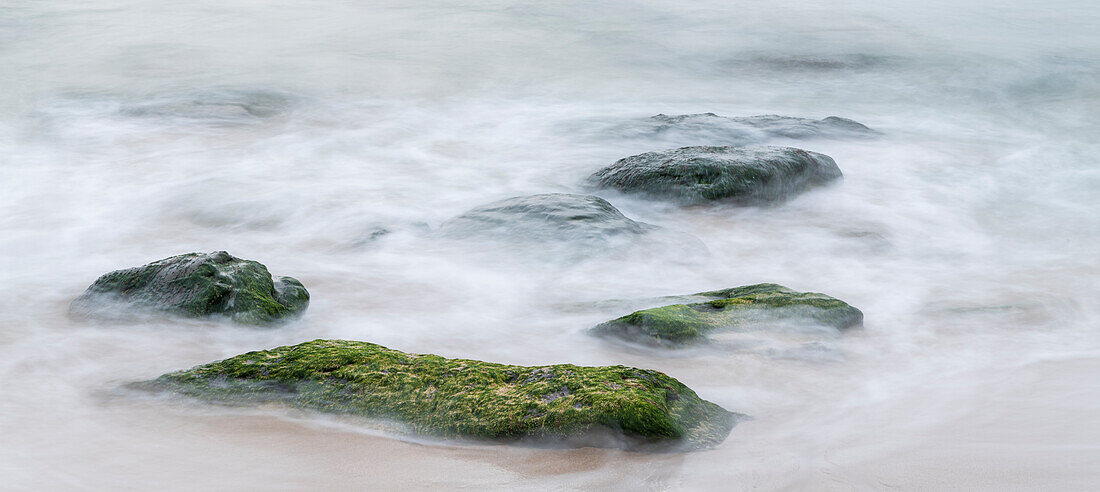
x,y
737,309
736,175
195,285
462,398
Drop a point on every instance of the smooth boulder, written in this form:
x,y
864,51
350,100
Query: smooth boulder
x,y
743,308
737,175
462,398
559,224
195,285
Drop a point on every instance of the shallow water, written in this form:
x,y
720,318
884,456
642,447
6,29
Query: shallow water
x,y
291,133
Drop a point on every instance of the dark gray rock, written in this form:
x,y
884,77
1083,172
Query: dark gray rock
x,y
551,216
739,175
555,223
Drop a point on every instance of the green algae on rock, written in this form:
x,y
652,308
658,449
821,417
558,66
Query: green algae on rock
x,y
738,308
738,175
198,284
461,398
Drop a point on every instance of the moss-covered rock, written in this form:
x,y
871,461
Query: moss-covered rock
x,y
463,398
738,175
738,308
198,284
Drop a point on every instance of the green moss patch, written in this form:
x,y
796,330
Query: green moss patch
x,y
462,398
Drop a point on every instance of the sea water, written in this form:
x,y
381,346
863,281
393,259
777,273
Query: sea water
x,y
329,140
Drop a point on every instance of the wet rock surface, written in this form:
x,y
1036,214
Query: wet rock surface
x,y
559,224
215,106
196,285
736,175
759,128
712,129
750,307
463,398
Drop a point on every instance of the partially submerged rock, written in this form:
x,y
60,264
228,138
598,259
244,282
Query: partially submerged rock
x,y
216,105
760,127
555,223
198,284
462,398
813,64
739,175
738,309
549,216
712,129
373,233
